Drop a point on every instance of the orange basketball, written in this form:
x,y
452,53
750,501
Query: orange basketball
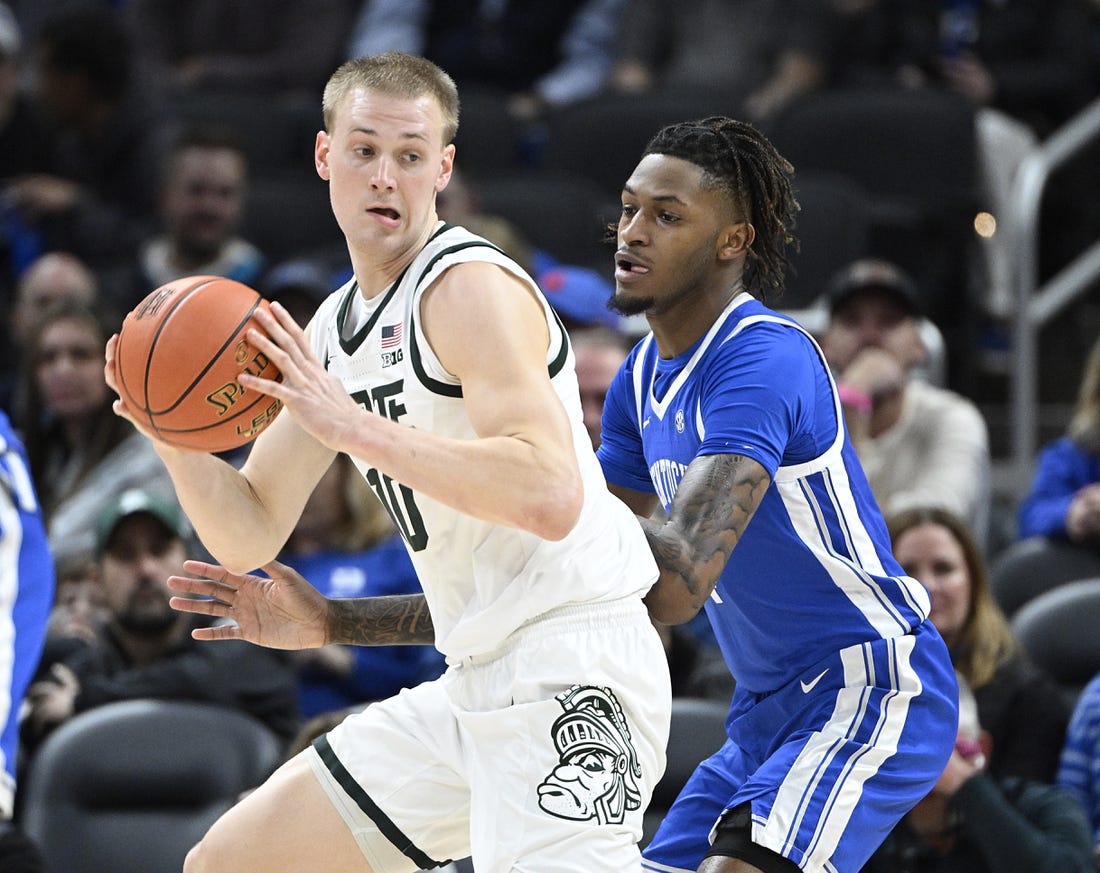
x,y
178,357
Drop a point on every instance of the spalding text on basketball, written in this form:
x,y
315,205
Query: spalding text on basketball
x,y
224,397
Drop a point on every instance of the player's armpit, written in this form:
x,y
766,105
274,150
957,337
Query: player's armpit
x,y
713,505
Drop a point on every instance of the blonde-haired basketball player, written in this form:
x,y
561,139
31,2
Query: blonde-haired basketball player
x,y
441,370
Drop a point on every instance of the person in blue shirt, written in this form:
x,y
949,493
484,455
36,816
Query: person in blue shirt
x,y
1079,767
1064,499
26,594
724,433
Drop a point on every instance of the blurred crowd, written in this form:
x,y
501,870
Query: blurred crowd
x,y
147,140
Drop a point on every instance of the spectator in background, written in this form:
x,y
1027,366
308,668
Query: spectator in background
x,y
23,136
920,445
538,55
81,454
24,149
1024,711
146,649
78,614
51,277
26,590
202,199
1064,498
346,546
759,55
1079,767
599,352
79,606
976,822
98,194
257,47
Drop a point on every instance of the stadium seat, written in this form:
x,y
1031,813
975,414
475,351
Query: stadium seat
x,y
289,216
914,153
1032,566
603,138
1058,630
833,229
489,139
130,787
562,213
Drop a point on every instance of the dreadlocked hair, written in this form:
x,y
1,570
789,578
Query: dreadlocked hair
x,y
738,159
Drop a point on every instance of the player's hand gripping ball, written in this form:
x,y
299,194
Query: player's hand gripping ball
x,y
178,357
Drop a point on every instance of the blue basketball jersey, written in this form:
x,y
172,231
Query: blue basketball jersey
x,y
813,572
26,596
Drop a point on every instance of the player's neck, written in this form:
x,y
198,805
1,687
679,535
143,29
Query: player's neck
x,y
376,271
678,324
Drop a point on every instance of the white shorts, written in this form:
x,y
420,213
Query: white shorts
x,y
540,756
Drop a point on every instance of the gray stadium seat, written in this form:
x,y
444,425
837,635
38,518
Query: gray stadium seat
x,y
1060,630
1032,566
129,787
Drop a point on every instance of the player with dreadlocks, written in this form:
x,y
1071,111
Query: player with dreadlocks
x,y
726,415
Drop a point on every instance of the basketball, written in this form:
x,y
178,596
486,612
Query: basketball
x,y
177,360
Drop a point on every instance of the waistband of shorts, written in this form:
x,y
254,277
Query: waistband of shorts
x,y
563,619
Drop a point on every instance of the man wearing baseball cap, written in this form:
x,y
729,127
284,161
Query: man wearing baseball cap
x,y
146,649
919,444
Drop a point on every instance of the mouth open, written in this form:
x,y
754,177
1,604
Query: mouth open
x,y
385,212
625,267
631,268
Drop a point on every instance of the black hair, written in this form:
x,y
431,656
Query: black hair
x,y
738,159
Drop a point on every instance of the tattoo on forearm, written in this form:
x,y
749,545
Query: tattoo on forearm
x,y
397,620
713,506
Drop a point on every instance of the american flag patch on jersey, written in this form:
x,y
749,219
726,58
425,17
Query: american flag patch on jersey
x,y
391,335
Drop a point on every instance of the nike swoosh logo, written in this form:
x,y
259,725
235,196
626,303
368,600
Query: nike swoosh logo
x,y
807,687
645,424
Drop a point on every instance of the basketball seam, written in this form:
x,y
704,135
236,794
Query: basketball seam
x,y
210,363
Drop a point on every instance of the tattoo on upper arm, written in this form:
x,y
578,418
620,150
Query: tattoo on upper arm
x,y
713,505
396,620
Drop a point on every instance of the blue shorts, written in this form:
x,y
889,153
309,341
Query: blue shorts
x,y
830,762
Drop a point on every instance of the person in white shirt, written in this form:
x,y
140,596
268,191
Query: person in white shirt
x,y
920,445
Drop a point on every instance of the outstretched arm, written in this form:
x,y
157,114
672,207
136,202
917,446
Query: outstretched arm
x,y
283,611
713,505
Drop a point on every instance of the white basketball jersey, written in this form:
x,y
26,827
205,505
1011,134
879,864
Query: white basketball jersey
x,y
482,580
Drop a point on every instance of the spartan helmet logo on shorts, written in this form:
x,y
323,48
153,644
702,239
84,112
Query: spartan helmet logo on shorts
x,y
597,774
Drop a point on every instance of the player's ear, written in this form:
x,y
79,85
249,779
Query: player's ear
x,y
446,167
735,239
320,154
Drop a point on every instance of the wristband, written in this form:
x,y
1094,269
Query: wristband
x,y
858,400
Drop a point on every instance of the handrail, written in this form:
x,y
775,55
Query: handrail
x,y
1035,305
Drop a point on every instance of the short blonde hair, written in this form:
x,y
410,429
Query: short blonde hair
x,y
399,75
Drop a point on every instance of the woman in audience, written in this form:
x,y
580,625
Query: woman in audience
x,y
1025,712
81,454
1064,500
